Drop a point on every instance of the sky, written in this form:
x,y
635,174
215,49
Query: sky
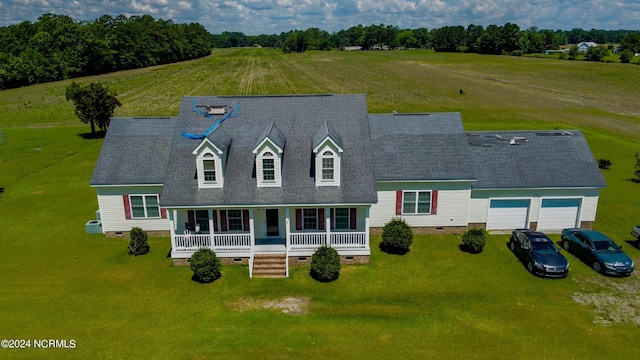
x,y
255,17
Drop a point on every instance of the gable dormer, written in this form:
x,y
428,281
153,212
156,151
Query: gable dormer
x,y
327,150
269,150
211,159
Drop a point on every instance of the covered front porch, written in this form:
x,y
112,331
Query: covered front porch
x,y
240,234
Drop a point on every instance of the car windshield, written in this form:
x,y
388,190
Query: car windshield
x,y
544,247
606,247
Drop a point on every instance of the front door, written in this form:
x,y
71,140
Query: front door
x,y
273,225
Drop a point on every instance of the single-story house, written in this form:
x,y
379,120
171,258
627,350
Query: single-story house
x,y
282,175
585,45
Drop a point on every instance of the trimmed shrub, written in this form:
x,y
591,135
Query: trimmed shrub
x,y
138,241
604,164
325,264
205,266
397,237
473,240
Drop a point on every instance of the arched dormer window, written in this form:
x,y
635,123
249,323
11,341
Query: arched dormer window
x,y
268,167
209,168
327,166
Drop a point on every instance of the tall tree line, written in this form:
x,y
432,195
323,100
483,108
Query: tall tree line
x,y
494,39
57,47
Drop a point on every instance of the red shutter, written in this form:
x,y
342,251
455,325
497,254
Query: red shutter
x,y
215,221
245,220
353,219
298,219
332,220
399,202
192,220
321,219
163,211
223,220
127,207
434,202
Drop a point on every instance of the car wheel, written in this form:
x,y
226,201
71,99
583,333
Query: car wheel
x,y
530,267
565,244
597,267
512,246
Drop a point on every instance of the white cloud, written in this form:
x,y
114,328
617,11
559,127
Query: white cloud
x,y
275,16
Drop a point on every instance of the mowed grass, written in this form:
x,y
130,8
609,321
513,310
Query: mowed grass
x,y
435,302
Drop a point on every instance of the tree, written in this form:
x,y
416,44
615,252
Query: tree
x,y
573,52
94,104
596,53
625,56
632,42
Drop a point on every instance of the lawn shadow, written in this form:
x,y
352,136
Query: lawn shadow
x,y
89,136
468,249
633,243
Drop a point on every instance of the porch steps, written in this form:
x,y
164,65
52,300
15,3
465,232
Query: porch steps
x,y
270,266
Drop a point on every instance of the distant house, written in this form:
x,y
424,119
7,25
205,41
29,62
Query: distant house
x,y
585,45
255,175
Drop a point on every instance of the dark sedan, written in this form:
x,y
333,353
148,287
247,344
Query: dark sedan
x,y
598,251
539,253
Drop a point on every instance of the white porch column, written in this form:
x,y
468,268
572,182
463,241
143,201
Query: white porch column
x,y
211,232
172,228
327,225
366,226
252,229
287,227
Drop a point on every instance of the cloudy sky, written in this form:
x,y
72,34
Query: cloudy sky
x,y
254,17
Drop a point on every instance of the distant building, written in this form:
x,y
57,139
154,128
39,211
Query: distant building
x,y
585,45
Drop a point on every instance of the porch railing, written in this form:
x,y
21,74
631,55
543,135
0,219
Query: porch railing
x,y
338,240
348,240
221,242
301,241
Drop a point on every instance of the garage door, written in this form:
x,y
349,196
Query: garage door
x,y
507,214
558,214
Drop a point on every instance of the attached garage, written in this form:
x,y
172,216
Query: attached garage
x,y
558,214
508,214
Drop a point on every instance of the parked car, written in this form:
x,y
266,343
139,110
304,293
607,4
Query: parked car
x,y
598,251
539,253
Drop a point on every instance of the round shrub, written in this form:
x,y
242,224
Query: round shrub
x,y
205,266
397,237
325,264
138,241
474,240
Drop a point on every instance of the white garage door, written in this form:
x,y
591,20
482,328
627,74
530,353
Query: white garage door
x,y
508,214
558,214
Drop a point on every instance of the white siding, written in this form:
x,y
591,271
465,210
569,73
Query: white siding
x,y
452,210
112,210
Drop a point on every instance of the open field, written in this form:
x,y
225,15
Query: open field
x,y
435,302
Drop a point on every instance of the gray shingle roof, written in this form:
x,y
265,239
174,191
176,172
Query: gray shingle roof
x,y
134,151
420,147
297,118
539,159
326,131
274,135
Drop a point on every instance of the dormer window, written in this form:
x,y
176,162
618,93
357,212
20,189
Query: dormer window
x,y
209,167
327,166
327,149
268,167
211,157
269,150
